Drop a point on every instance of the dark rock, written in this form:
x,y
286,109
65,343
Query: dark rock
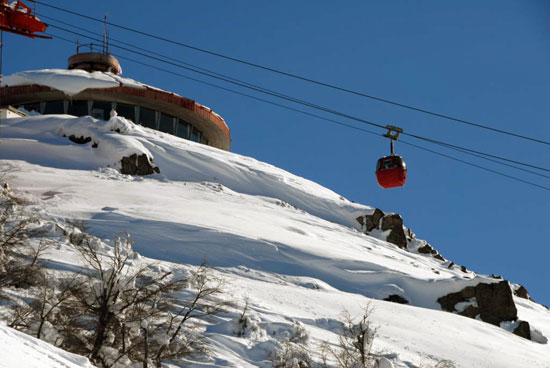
x,y
410,234
449,301
371,221
79,140
498,277
470,311
397,299
438,256
397,236
522,292
495,302
523,330
427,249
463,269
137,165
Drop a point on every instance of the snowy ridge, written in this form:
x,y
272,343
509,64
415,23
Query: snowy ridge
x,y
290,245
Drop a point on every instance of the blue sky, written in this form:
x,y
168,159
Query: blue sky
x,y
485,62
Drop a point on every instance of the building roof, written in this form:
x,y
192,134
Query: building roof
x,y
54,84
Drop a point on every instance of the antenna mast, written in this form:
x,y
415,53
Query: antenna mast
x,y
105,36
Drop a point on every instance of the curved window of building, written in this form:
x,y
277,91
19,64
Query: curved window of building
x,y
78,108
196,135
166,123
183,129
101,110
127,111
54,107
31,107
147,118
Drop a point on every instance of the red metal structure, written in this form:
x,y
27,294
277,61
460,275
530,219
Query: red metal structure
x,y
391,171
19,18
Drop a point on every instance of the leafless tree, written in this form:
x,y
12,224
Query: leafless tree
x,y
138,315
354,343
22,242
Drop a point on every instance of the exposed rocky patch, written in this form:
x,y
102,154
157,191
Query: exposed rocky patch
x,y
79,140
523,330
394,222
397,299
371,222
382,221
492,303
398,235
138,165
522,292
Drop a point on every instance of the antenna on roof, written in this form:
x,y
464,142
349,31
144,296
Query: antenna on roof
x,y
105,36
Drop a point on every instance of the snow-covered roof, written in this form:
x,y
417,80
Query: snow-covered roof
x,y
72,81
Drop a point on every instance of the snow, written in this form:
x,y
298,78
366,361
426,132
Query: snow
x,y
290,246
23,351
69,81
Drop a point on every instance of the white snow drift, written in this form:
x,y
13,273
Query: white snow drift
x,y
290,245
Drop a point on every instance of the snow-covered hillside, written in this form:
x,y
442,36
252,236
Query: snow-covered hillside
x,y
291,247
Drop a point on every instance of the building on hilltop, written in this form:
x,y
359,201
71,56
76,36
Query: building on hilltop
x,y
92,86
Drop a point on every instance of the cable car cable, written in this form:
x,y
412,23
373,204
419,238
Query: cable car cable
x,y
326,119
303,102
295,76
473,151
143,49
333,121
475,165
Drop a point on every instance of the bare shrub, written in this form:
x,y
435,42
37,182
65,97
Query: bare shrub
x,y
354,343
293,350
177,336
19,230
291,355
441,364
135,313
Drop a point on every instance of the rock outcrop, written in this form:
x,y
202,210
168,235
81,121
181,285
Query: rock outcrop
x,y
398,234
79,140
394,222
138,165
396,299
492,303
522,292
382,221
523,330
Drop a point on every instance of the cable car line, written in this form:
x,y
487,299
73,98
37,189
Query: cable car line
x,y
474,151
302,78
308,113
475,165
232,90
336,122
142,49
302,102
232,80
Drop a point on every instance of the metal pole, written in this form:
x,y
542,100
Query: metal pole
x,y
1,52
391,145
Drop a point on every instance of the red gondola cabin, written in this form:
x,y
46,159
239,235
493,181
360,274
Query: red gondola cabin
x,y
391,171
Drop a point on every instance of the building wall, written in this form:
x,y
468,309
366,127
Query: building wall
x,y
153,108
